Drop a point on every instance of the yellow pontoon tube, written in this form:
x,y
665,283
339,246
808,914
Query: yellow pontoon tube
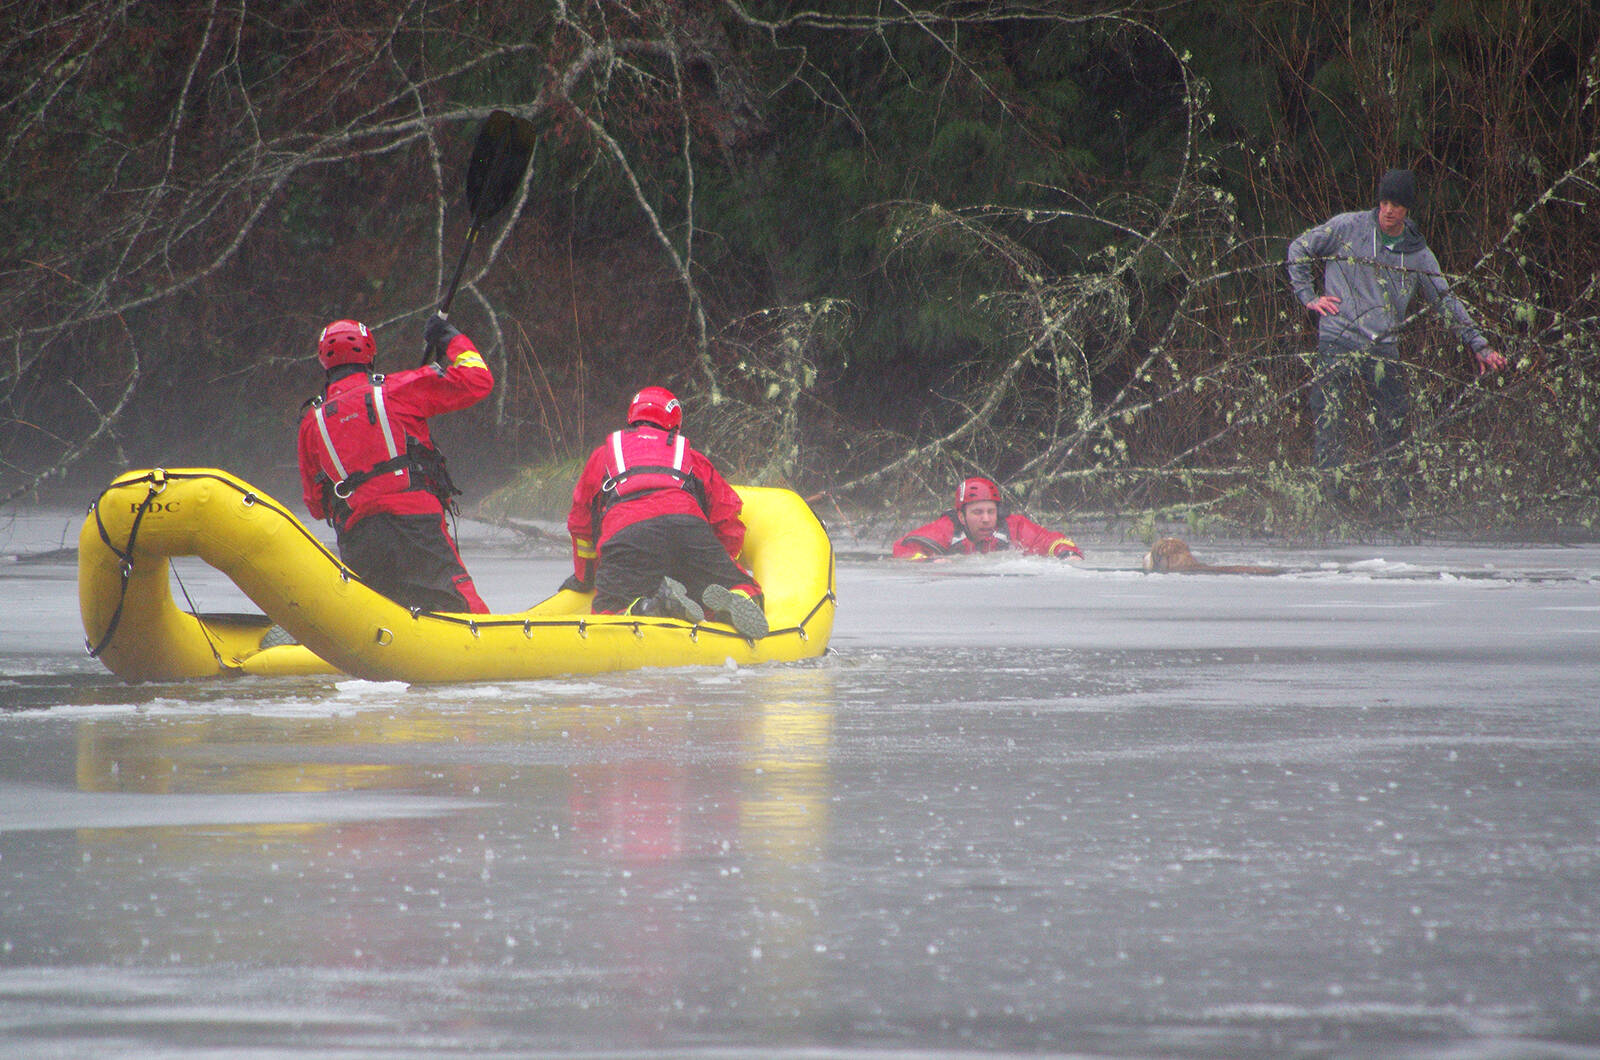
x,y
136,629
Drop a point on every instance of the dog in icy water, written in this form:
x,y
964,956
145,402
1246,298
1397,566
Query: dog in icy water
x,y
1171,555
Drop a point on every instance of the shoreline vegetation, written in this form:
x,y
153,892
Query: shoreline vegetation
x,y
874,250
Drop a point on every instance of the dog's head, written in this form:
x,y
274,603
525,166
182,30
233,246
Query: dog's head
x,y
1169,554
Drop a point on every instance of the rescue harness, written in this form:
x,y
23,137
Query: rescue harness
x,y
425,463
611,490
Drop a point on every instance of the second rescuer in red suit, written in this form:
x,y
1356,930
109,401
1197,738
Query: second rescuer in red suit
x,y
368,464
656,529
978,524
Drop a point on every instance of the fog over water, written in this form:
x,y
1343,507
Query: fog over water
x,y
1023,807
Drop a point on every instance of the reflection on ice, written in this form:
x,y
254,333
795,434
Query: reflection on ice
x,y
357,689
24,809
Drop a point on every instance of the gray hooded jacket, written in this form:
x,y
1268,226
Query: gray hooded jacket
x,y
1374,285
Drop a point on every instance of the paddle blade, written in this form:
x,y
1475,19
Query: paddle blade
x,y
499,159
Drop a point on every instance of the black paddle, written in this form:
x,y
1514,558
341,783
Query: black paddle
x,y
499,159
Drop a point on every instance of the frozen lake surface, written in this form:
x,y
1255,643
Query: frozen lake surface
x,y
1021,808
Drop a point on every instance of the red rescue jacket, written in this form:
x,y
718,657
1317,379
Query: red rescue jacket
x,y
640,473
362,424
945,536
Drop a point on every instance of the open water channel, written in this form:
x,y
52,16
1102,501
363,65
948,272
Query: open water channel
x,y
1021,808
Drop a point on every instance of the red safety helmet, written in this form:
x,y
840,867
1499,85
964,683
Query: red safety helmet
x,y
346,342
657,405
976,488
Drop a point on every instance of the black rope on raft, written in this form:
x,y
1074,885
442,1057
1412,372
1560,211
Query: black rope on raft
x,y
158,482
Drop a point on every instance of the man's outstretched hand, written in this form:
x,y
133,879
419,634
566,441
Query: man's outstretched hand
x,y
1489,360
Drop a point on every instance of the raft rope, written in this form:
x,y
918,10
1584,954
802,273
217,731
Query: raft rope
x,y
158,482
205,630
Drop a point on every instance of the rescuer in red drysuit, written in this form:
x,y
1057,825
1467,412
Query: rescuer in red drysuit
x,y
978,524
656,529
369,467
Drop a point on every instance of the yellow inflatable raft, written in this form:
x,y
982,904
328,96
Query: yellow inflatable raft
x,y
134,627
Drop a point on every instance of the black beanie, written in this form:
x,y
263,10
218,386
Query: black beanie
x,y
1399,187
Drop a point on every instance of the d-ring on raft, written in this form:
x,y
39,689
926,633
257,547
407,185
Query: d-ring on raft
x,y
134,627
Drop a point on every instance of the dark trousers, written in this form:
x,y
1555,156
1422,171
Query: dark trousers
x,y
1345,379
412,560
682,547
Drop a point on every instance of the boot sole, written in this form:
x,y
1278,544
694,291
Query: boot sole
x,y
744,614
679,596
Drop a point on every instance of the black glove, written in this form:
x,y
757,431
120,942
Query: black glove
x,y
576,585
438,332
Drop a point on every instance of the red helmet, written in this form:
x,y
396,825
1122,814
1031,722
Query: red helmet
x,y
346,342
976,488
657,405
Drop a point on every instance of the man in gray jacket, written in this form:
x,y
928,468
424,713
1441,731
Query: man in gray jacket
x,y
1373,262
